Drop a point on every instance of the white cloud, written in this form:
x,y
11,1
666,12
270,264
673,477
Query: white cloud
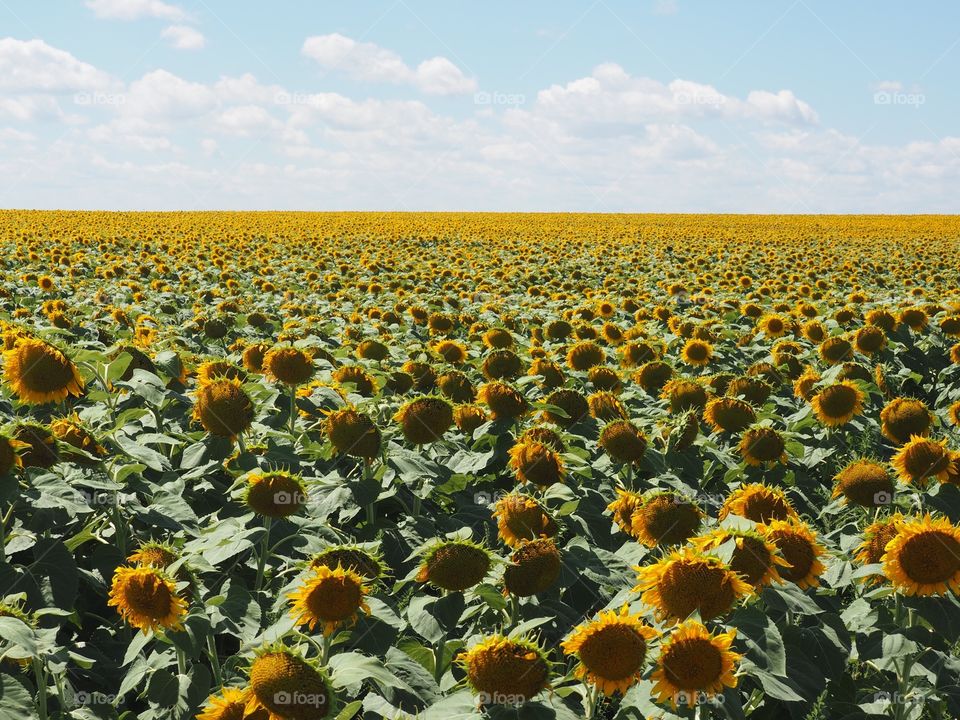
x,y
782,106
245,120
161,95
370,62
136,9
665,7
30,108
183,37
32,65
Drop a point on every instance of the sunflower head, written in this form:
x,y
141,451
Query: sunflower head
x,y
798,545
534,568
864,482
902,418
506,671
536,463
39,373
10,454
923,557
921,459
835,350
147,598
875,539
329,598
253,356
38,446
665,518
456,386
610,649
605,405
276,494
694,663
623,441
353,433
223,408
757,502
728,414
505,401
154,555
354,378
573,404
762,446
521,518
212,370
454,565
836,404
469,417
350,557
585,355
288,365
71,433
288,687
425,419
231,704
685,582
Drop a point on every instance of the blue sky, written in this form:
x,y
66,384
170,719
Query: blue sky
x,y
651,105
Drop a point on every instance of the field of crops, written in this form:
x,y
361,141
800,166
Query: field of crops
x,y
287,466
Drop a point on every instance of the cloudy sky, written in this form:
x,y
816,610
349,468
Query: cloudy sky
x,y
605,105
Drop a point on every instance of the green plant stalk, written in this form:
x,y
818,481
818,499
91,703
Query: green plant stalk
x,y
181,662
438,653
40,675
590,698
262,555
214,660
293,411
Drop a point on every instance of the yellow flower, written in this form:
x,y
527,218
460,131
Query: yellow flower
x,y
231,704
923,558
836,404
147,599
287,687
506,671
754,557
330,598
39,373
799,547
921,459
757,502
693,663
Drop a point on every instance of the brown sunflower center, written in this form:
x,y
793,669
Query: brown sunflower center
x,y
666,520
692,664
44,369
148,595
930,557
751,559
837,401
687,586
613,652
334,599
797,551
508,673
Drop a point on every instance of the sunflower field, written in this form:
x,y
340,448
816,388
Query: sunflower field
x,y
286,466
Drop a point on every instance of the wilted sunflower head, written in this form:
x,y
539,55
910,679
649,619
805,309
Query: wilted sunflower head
x,y
573,404
536,463
223,408
454,565
864,482
350,557
665,518
923,557
902,418
728,414
276,494
425,419
685,582
253,357
798,545
623,441
39,373
501,364
330,597
585,355
10,454
38,446
694,663
71,433
146,598
456,387
610,649
288,365
469,417
355,379
606,406
752,389
288,687
212,370
521,518
869,339
683,395
534,568
353,433
506,671
757,502
836,404
921,459
505,401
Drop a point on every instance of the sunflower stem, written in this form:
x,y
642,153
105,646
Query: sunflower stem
x,y
438,653
324,648
214,660
40,675
181,662
241,445
293,411
262,555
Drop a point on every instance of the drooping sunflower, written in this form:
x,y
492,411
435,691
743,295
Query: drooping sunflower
x,y
762,446
921,459
753,557
694,663
836,404
623,441
505,401
573,404
684,394
425,419
521,518
71,433
536,463
902,418
39,373
288,687
329,598
147,599
535,567
685,582
350,557
584,355
353,433
10,454
506,671
223,408
468,418
757,502
353,378
288,365
727,414
454,565
212,370
799,547
923,558
605,405
253,356
276,494
611,650
864,482
875,539
38,446
231,704
665,518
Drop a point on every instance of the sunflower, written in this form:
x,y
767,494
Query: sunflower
x,y
836,404
584,355
762,445
799,547
38,446
223,408
350,557
902,418
456,387
425,419
652,376
536,463
330,598
606,406
153,554
454,565
664,518
469,417
753,557
727,414
231,704
253,356
697,352
869,339
505,401
610,650
921,459
38,373
534,568
506,671
288,365
353,433
521,518
875,539
835,350
275,494
68,431
212,370
685,582
573,404
147,599
10,454
923,558
954,413
773,326
864,482
694,663
623,441
757,502
288,687
803,385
